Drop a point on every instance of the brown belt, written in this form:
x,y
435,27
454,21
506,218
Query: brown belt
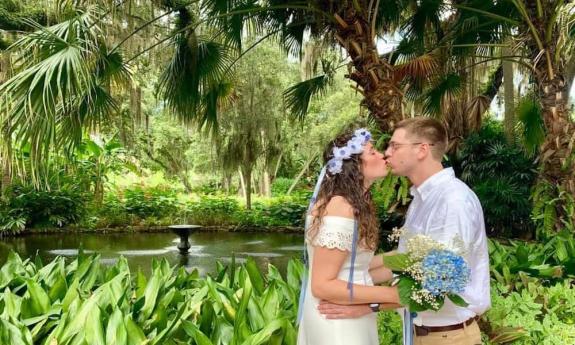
x,y
425,330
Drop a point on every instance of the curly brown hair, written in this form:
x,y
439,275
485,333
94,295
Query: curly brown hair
x,y
348,184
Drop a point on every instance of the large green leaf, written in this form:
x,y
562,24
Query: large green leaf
x,y
457,300
197,335
116,332
397,262
14,334
255,275
94,331
36,301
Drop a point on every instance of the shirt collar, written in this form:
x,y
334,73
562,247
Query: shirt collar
x,y
433,181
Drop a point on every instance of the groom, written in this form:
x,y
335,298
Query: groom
x,y
443,208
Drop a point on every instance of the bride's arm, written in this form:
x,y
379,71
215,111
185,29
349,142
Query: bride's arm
x,y
326,285
327,264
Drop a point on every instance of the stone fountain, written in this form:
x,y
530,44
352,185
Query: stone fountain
x,y
184,232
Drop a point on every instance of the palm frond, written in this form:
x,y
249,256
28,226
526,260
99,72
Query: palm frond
x,y
232,18
57,90
446,88
389,15
475,109
298,96
218,96
419,69
425,18
197,65
529,114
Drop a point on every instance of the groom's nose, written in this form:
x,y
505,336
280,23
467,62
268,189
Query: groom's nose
x,y
387,152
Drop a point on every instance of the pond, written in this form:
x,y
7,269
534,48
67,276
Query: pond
x,y
140,248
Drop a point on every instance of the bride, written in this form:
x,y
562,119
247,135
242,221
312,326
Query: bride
x,y
341,237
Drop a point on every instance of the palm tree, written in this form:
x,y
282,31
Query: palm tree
x,y
351,25
542,35
62,84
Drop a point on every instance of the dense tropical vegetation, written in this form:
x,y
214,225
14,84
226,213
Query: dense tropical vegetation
x,y
133,114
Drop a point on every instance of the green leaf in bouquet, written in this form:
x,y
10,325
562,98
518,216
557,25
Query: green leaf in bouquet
x,y
457,300
404,288
397,262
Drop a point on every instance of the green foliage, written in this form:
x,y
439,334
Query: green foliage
x,y
156,202
389,328
212,210
281,185
14,14
12,221
537,314
289,211
42,208
545,198
501,175
86,302
549,262
529,114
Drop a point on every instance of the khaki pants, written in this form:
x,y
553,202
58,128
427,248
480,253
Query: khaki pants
x,y
470,335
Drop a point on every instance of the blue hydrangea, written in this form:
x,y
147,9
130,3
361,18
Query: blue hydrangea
x,y
444,272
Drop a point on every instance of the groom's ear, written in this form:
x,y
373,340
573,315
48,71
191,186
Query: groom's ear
x,y
423,152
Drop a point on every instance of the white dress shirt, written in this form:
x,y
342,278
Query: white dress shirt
x,y
444,208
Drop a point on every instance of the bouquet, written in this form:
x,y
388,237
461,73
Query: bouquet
x,y
428,273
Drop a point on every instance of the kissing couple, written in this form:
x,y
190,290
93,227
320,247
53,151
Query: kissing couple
x,y
341,293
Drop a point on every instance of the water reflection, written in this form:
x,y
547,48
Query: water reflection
x,y
140,248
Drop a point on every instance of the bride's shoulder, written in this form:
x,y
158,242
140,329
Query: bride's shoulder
x,y
339,206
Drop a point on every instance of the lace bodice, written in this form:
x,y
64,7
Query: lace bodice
x,y
334,233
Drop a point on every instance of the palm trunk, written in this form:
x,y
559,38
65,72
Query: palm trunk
x,y
267,190
372,73
248,182
557,158
6,159
302,171
509,97
557,165
242,183
557,155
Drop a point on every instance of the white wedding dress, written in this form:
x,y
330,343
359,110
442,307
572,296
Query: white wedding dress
x,y
315,329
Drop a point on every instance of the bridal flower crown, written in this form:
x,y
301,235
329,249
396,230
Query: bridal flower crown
x,y
354,146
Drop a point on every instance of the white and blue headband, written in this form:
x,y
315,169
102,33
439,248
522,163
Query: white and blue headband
x,y
353,146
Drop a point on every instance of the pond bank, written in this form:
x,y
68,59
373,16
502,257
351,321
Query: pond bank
x,y
160,229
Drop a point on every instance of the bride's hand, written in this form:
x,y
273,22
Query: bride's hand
x,y
338,311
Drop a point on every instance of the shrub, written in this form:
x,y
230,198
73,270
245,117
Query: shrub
x,y
502,175
151,202
12,221
537,314
281,185
40,208
287,211
212,210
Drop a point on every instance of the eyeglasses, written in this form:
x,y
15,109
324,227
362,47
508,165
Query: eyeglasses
x,y
394,146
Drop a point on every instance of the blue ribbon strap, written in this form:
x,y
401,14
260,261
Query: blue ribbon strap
x,y
353,255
